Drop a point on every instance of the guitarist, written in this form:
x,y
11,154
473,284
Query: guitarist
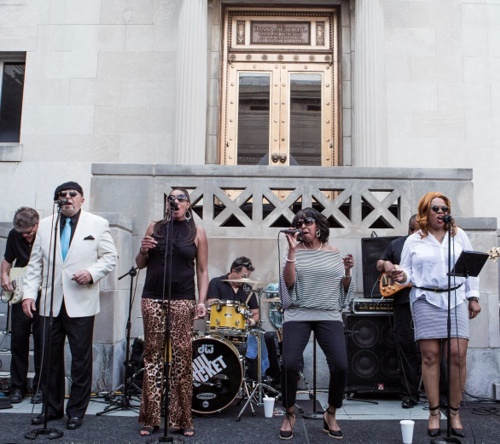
x,y
17,254
403,327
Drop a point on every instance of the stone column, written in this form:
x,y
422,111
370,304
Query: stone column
x,y
370,109
191,87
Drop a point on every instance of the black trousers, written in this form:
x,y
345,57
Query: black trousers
x,y
330,337
21,328
79,332
407,350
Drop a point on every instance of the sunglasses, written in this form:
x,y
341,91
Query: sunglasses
x,y
308,221
443,208
68,194
179,197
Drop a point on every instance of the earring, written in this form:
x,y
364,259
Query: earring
x,y
318,233
188,216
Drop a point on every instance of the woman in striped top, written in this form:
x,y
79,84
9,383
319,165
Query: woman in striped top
x,y
318,280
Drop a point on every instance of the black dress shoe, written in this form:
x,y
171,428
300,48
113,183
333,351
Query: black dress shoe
x,y
74,423
39,419
16,396
37,397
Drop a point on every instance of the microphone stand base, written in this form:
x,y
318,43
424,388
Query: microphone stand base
x,y
170,439
442,440
313,415
52,433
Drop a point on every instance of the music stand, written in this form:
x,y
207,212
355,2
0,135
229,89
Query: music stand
x,y
469,263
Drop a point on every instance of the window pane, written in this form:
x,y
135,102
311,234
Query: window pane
x,y
253,118
305,119
11,102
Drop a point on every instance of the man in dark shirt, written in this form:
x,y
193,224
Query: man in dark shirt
x,y
221,288
403,326
17,254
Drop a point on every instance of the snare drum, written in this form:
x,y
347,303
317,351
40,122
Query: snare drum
x,y
227,318
217,374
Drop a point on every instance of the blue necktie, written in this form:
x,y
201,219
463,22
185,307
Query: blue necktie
x,y
65,238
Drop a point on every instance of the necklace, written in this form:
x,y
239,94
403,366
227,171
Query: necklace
x,y
320,247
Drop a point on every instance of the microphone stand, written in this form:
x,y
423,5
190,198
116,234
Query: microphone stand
x,y
448,437
123,402
52,432
166,372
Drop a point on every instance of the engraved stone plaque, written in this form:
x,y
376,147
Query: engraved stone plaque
x,y
280,33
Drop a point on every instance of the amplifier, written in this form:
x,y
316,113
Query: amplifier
x,y
369,306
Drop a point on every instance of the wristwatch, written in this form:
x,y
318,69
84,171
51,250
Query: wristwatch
x,y
473,299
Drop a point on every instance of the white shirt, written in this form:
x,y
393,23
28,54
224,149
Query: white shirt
x,y
425,261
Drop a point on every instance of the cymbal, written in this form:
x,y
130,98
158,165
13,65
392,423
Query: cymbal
x,y
245,281
270,300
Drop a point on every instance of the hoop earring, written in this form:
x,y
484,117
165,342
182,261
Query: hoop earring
x,y
188,215
318,233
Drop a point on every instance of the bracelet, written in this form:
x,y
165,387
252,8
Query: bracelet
x,y
289,260
201,304
473,299
347,277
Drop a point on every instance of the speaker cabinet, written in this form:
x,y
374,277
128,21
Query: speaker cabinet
x,y
371,353
372,248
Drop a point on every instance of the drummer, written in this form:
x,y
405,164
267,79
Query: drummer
x,y
232,287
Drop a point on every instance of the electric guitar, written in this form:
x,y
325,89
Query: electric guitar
x,y
16,277
388,286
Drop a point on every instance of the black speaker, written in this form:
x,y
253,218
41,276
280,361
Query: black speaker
x,y
372,248
371,353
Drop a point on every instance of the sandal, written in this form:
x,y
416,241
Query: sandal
x,y
335,434
454,415
434,411
288,434
188,432
147,431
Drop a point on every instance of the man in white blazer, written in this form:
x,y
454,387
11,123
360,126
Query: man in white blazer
x,y
84,254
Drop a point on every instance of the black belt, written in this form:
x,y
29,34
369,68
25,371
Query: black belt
x,y
438,290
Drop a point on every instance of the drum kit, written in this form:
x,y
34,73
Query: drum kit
x,y
219,364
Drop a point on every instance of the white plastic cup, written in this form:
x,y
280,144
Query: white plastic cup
x,y
407,430
268,406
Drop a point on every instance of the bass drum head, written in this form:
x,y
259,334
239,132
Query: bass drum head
x,y
217,374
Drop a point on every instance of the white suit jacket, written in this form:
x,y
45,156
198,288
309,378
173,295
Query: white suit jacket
x,y
92,248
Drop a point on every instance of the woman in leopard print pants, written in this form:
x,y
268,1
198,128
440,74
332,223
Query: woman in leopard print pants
x,y
189,250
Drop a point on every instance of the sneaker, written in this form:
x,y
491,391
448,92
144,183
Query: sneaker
x,y
37,397
408,403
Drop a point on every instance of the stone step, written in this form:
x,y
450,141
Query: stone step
x,y
6,358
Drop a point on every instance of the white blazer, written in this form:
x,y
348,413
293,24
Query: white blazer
x,y
92,248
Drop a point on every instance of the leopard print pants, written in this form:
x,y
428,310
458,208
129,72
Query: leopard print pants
x,y
181,374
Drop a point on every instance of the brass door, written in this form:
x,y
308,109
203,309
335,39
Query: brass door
x,y
280,104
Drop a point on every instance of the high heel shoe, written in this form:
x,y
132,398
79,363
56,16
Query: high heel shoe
x,y
434,411
456,432
288,434
335,434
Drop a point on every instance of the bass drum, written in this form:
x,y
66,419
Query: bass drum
x,y
217,374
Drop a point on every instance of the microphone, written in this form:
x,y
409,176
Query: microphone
x,y
291,231
174,204
61,202
446,219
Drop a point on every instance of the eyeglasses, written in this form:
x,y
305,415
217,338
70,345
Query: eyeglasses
x,y
443,208
308,221
179,197
68,193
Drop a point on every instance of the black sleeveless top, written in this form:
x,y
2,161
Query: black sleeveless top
x,y
183,271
